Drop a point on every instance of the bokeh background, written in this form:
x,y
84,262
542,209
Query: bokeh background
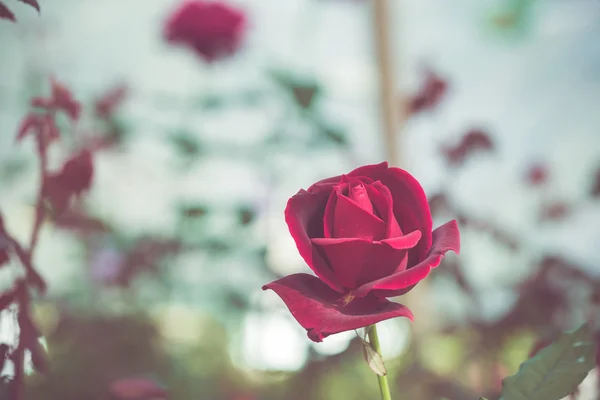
x,y
157,272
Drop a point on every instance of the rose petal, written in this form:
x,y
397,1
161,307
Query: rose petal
x,y
358,261
445,238
410,203
321,311
352,221
304,217
404,242
329,215
358,194
384,204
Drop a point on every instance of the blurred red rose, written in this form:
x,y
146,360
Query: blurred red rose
x,y
366,235
213,30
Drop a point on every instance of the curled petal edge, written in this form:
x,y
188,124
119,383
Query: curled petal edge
x,y
323,312
445,238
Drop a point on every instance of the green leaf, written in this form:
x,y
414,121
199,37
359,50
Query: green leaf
x,y
305,93
555,371
304,90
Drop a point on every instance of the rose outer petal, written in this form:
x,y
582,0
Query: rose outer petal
x,y
321,311
445,238
411,208
304,218
357,261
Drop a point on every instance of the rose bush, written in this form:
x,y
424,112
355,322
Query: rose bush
x,y
367,235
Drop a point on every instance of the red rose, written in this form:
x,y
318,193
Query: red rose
x,y
366,235
212,30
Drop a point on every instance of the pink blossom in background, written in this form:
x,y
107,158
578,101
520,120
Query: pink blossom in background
x,y
213,30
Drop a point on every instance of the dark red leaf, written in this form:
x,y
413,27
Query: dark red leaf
x,y
32,3
63,99
429,95
41,102
473,141
4,257
79,221
5,13
4,352
110,101
42,125
74,178
6,299
78,171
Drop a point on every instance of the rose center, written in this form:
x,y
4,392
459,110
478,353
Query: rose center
x,y
359,194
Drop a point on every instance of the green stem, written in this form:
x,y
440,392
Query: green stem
x,y
384,388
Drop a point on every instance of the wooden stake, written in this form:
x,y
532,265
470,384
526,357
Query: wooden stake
x,y
389,102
